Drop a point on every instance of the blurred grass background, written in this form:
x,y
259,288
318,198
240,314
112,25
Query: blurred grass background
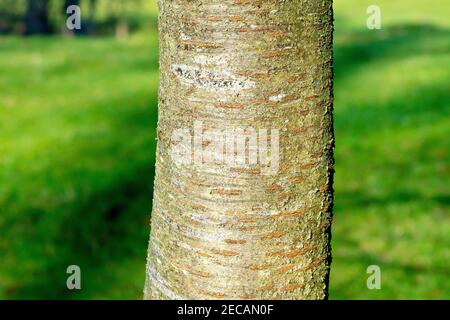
x,y
77,145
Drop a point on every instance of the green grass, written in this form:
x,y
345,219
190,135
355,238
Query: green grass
x,y
392,121
77,143
77,155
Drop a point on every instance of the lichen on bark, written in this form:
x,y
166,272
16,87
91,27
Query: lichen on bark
x,y
232,232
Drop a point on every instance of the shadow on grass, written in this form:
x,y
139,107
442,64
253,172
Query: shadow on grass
x,y
358,255
422,106
101,230
394,273
361,199
363,47
98,234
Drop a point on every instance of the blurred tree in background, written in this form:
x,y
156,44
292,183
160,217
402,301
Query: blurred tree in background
x,y
12,13
99,17
36,17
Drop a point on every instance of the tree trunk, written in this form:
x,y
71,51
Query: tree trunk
x,y
68,3
36,18
122,31
243,189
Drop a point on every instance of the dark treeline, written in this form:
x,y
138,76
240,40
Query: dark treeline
x,y
36,17
29,17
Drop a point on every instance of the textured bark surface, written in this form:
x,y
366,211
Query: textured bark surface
x,y
223,231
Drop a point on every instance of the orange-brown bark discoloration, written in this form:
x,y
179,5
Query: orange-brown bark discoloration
x,y
285,268
289,214
293,286
273,235
313,263
292,254
226,192
226,253
259,267
231,241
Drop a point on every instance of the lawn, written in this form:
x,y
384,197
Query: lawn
x,y
77,144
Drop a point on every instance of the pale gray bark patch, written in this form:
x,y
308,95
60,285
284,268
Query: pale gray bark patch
x,y
210,80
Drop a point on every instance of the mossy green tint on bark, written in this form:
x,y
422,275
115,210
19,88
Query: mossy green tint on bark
x,y
235,231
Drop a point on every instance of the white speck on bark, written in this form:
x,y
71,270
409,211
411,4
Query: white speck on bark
x,y
277,98
211,80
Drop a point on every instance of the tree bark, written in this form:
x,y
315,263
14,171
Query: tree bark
x,y
261,70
